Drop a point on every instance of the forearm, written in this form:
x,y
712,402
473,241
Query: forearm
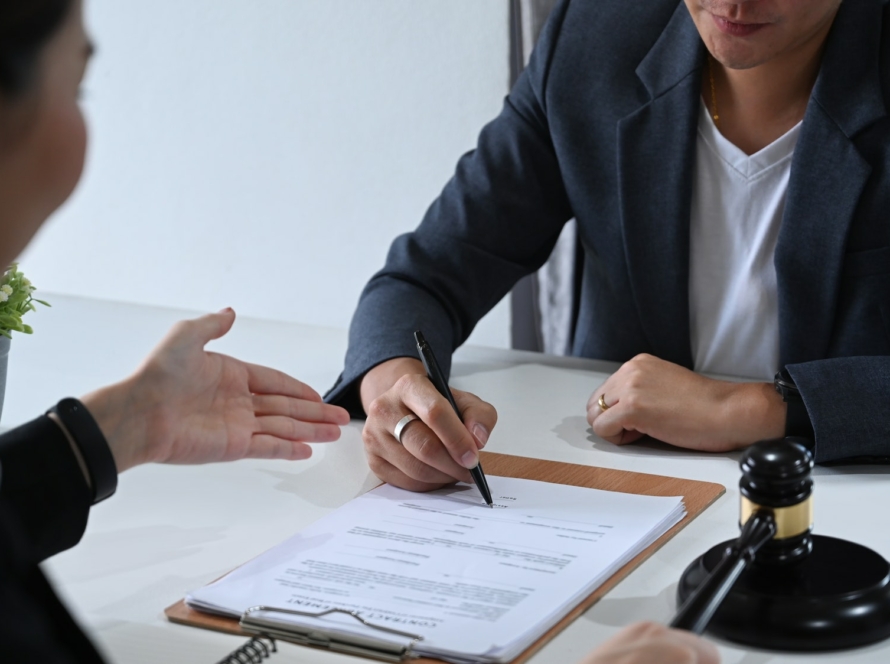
x,y
122,422
751,412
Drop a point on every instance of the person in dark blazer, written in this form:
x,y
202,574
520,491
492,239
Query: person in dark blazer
x,y
183,405
728,165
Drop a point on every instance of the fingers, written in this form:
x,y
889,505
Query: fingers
x,y
420,456
265,446
299,409
209,327
647,642
705,651
608,427
479,416
290,429
428,460
178,342
390,474
421,398
435,450
422,460
264,380
612,423
594,409
615,429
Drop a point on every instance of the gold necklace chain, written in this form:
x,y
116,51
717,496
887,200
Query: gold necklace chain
x,y
714,113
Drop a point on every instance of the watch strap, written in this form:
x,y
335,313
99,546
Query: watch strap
x,y
92,445
797,420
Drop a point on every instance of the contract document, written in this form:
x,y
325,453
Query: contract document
x,y
440,574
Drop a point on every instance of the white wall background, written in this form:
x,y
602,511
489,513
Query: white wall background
x,y
263,154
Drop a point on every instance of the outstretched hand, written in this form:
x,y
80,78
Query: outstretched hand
x,y
187,405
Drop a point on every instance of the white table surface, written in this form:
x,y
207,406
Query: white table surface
x,y
171,529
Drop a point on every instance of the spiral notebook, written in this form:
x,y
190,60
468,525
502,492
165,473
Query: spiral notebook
x,y
393,575
254,651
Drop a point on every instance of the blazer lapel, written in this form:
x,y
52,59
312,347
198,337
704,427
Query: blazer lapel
x,y
656,152
827,178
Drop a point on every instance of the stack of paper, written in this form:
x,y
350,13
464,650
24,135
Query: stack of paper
x,y
471,583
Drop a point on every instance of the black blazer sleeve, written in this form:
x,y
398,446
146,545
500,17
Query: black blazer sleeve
x,y
44,503
43,487
34,625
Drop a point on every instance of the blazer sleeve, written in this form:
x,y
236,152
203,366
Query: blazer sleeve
x,y
846,399
35,625
496,220
43,487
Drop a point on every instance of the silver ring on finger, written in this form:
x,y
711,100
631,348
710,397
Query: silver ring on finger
x,y
400,427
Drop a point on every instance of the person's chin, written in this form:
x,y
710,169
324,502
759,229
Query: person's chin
x,y
738,54
737,45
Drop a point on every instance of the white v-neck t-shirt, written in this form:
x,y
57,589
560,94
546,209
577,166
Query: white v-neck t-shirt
x,y
737,206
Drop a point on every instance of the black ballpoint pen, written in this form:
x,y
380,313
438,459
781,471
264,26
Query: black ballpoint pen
x,y
438,380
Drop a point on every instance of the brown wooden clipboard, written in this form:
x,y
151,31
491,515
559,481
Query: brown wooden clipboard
x,y
697,496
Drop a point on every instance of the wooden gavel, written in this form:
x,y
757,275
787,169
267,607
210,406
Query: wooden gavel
x,y
778,586
776,520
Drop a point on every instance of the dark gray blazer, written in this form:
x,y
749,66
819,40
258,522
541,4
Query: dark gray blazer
x,y
602,127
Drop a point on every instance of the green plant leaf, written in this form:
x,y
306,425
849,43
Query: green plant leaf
x,y
19,302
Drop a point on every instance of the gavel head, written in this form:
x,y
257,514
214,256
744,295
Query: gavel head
x,y
776,478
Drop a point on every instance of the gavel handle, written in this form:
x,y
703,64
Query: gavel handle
x,y
699,608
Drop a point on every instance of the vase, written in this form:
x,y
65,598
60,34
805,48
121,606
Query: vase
x,y
4,360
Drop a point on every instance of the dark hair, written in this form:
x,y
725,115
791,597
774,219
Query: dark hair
x,y
25,27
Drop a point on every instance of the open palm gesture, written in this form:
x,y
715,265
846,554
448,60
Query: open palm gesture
x,y
187,405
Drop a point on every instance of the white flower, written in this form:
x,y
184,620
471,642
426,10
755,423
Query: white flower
x,y
3,296
6,288
26,282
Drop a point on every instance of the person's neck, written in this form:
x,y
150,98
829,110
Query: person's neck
x,y
756,106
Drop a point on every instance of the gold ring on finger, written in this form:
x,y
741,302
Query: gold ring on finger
x,y
601,402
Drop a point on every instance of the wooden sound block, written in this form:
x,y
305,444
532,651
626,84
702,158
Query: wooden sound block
x,y
837,597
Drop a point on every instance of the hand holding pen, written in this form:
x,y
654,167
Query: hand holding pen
x,y
437,378
436,449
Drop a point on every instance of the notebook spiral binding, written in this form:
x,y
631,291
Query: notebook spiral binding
x,y
253,652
